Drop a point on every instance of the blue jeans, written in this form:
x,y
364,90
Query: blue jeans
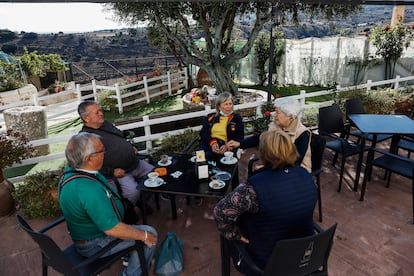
x,y
134,267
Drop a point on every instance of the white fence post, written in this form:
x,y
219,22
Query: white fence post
x,y
36,99
79,92
146,89
369,85
94,89
119,98
302,99
186,78
147,131
397,82
169,83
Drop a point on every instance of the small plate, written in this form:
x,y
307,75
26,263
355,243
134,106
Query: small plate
x,y
148,183
216,184
222,176
231,162
193,159
164,164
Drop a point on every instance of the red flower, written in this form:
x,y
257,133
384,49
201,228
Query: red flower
x,y
277,95
267,113
387,28
366,34
412,27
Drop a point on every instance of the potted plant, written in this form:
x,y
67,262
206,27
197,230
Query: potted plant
x,y
14,147
37,196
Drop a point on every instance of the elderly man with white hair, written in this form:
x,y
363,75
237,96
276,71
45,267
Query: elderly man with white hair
x,y
286,118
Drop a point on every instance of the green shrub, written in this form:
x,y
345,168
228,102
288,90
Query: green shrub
x,y
175,143
36,197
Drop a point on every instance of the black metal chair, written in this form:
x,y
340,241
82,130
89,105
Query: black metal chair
x,y
355,106
406,142
301,256
69,261
392,163
318,143
331,125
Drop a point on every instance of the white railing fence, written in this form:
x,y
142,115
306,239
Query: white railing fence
x,y
150,88
149,137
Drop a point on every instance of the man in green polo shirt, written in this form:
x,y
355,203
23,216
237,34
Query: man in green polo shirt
x,y
91,218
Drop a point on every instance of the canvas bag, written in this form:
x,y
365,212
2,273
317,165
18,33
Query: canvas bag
x,y
169,259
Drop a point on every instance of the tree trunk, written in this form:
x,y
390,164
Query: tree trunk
x,y
221,78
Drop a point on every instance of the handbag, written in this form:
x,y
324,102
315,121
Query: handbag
x,y
169,259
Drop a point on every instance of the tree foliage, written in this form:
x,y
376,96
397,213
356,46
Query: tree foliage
x,y
183,23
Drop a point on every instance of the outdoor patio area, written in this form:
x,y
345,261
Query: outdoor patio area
x,y
373,237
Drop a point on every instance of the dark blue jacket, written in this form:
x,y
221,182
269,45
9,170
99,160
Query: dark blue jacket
x,y
235,130
287,198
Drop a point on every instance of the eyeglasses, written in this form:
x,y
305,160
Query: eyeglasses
x,y
97,152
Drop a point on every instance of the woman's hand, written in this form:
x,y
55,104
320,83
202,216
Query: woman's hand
x,y
223,149
215,148
231,145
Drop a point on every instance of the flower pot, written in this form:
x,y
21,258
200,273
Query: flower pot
x,y
7,206
403,107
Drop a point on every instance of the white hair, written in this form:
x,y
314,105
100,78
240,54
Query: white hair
x,y
289,107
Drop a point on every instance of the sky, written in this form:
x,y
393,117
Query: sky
x,y
55,17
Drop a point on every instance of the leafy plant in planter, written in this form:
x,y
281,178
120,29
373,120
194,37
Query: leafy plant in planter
x,y
36,197
174,143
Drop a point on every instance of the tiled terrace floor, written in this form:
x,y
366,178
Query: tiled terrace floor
x,y
373,237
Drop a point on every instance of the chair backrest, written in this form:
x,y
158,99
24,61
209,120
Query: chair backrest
x,y
330,120
51,253
317,145
301,256
354,106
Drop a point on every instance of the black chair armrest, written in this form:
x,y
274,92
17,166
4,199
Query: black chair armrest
x,y
393,155
317,172
52,224
317,228
246,257
98,254
190,145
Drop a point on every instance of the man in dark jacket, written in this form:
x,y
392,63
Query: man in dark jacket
x,y
120,159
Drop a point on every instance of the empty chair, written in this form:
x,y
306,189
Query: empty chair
x,y
69,261
392,163
301,256
406,142
355,106
332,127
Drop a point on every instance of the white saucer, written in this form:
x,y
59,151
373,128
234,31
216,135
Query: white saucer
x,y
231,162
222,176
193,159
164,164
216,184
148,183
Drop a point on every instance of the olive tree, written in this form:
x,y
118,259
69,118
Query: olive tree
x,y
183,23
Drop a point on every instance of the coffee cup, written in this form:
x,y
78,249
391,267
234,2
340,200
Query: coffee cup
x,y
153,177
164,159
228,156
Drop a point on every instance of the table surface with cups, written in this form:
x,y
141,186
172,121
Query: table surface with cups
x,y
181,178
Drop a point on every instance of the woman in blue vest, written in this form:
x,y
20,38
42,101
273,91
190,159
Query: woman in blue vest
x,y
221,127
275,203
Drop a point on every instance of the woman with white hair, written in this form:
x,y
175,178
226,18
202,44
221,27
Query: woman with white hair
x,y
286,118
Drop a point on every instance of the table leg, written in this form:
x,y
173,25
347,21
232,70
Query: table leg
x,y
173,207
359,164
225,257
368,169
143,207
